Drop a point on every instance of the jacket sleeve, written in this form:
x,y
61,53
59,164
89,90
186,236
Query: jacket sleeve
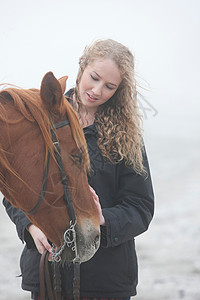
x,y
21,221
134,210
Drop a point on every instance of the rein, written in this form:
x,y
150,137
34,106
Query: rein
x,y
69,235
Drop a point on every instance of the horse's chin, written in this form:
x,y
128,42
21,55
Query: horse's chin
x,y
87,244
84,254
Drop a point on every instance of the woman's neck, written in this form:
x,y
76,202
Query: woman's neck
x,y
86,116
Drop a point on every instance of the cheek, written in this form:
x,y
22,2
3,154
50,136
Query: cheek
x,y
84,83
108,95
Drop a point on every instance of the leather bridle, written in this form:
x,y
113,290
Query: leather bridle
x,y
64,180
70,233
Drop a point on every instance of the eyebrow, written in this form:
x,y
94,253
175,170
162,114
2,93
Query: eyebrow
x,y
113,84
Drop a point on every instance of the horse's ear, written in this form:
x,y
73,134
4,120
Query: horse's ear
x,y
62,81
51,92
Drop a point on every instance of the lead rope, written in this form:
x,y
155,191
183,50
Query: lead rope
x,y
76,281
46,291
69,241
45,282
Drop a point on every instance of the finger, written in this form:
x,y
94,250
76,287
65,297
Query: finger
x,y
95,196
91,190
40,247
47,245
50,258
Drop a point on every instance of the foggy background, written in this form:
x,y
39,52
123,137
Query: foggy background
x,y
41,36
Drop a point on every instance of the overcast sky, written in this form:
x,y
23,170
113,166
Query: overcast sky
x,y
38,36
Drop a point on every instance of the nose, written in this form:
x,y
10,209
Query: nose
x,y
97,89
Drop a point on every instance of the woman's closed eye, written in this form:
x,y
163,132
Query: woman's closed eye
x,y
107,86
94,78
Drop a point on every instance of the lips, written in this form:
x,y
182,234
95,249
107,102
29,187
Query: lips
x,y
91,98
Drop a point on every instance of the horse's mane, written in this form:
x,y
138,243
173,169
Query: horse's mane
x,y
28,102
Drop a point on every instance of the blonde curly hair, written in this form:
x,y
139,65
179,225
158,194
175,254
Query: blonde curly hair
x,y
118,120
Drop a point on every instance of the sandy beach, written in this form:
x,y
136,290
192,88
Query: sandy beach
x,y
169,253
10,249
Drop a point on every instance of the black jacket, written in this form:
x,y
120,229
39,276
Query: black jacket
x,y
128,203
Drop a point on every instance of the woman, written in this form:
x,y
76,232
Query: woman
x,y
105,99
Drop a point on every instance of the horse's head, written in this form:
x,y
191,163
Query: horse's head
x,y
28,120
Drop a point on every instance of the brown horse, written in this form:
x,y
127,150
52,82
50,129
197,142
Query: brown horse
x,y
27,119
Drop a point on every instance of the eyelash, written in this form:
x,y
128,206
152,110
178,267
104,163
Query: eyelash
x,y
108,87
96,79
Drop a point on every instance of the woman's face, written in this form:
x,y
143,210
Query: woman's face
x,y
99,82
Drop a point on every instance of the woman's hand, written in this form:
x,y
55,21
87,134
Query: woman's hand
x,y
40,239
98,205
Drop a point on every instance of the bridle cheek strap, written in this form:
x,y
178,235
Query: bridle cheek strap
x,y
63,177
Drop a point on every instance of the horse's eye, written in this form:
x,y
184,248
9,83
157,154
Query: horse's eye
x,y
76,158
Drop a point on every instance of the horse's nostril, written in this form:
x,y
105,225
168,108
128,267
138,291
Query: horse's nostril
x,y
96,240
